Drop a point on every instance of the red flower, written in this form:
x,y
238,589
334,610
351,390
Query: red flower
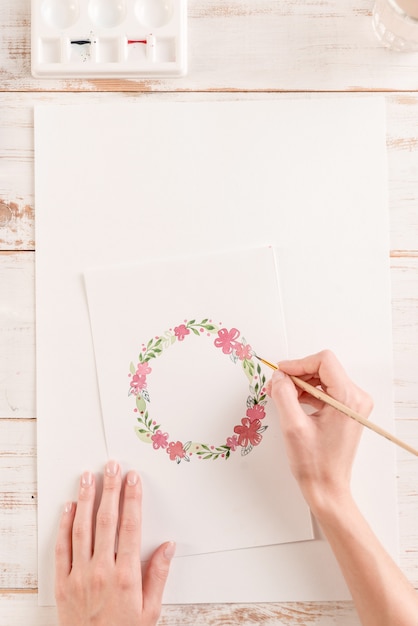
x,y
181,331
232,442
243,352
175,450
256,412
142,369
226,339
159,440
138,383
247,433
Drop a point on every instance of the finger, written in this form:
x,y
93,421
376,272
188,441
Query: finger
x,y
323,365
155,578
312,364
108,512
307,399
315,382
82,535
63,546
285,396
129,542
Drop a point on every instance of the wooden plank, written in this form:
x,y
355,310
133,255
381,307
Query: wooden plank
x,y
18,561
402,151
17,214
21,609
17,335
408,500
244,45
404,279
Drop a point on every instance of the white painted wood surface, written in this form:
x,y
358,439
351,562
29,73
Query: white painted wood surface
x,y
250,49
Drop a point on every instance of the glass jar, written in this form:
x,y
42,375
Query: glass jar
x,y
395,23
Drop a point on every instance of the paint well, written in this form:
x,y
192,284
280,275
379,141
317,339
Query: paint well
x,y
60,13
154,13
107,13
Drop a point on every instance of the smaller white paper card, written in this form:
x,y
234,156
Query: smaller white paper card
x,y
184,401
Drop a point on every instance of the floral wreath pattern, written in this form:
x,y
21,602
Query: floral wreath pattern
x,y
245,435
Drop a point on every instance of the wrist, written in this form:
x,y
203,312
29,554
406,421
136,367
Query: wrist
x,y
328,507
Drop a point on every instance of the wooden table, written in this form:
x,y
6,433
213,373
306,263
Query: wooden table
x,y
237,49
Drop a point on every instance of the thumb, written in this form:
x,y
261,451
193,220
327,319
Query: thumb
x,y
156,577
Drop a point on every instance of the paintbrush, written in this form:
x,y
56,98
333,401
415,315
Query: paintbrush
x,y
324,397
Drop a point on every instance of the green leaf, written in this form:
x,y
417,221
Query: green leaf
x,y
248,375
196,332
140,404
132,368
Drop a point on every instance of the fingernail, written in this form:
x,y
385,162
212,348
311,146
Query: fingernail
x,y
68,507
111,468
87,479
132,478
170,550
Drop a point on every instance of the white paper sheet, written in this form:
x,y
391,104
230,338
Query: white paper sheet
x,y
128,184
183,397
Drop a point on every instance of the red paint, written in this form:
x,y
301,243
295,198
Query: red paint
x,y
137,41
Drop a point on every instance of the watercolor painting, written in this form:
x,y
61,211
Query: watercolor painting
x,y
229,342
184,398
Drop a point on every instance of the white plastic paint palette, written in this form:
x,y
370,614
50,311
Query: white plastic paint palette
x,y
108,38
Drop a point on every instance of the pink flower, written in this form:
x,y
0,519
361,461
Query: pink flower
x,y
175,450
256,412
232,442
138,383
243,352
142,369
181,331
159,440
226,339
247,433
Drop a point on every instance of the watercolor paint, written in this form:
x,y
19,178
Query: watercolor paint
x,y
109,38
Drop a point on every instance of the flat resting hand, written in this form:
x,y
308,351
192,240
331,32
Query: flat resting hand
x,y
93,585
